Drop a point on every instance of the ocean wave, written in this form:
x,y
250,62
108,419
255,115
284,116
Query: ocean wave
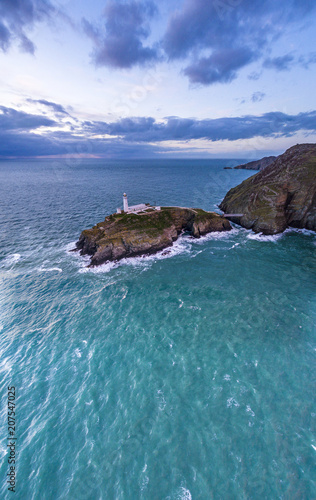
x,y
182,245
11,259
6,366
70,247
50,269
184,494
306,232
272,238
216,235
275,237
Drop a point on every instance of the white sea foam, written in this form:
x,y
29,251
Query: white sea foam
x,y
216,235
103,268
182,245
195,254
50,269
232,402
5,366
161,399
306,232
249,410
80,260
70,246
273,238
184,494
11,259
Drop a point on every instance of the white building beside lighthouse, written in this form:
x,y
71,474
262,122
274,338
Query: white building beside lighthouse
x,y
134,208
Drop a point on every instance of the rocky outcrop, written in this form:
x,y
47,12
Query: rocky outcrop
x,y
280,196
258,164
128,234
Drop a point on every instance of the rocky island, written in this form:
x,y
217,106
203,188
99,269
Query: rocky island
x,y
281,195
145,231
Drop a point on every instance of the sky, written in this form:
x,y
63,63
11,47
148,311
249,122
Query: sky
x,y
168,79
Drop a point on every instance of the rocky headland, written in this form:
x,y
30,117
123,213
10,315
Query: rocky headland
x,y
130,234
257,164
281,195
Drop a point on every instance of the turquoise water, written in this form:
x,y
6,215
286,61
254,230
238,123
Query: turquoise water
x,y
186,375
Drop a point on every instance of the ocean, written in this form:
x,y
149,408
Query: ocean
x,y
189,374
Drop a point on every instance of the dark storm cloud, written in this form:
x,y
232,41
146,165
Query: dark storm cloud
x,y
137,136
214,38
18,15
246,127
58,108
221,66
225,27
11,119
286,62
30,145
282,63
4,37
126,29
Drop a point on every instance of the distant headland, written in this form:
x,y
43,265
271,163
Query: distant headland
x,y
257,164
144,229
281,195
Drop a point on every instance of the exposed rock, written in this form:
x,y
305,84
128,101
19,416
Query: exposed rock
x,y
258,164
281,195
228,168
128,234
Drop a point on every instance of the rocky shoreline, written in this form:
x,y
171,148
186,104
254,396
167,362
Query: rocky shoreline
x,y
129,234
281,195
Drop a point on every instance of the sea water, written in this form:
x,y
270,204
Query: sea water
x,y
184,375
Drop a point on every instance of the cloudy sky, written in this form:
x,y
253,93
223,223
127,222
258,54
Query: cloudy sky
x,y
142,78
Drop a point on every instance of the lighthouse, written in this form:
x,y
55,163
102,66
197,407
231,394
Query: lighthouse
x,y
136,209
125,203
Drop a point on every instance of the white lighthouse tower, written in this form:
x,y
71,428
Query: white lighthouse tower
x,y
125,203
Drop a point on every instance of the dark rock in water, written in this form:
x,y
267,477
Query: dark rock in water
x,y
258,164
280,196
130,234
228,168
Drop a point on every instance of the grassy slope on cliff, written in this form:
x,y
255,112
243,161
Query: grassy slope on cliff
x,y
282,194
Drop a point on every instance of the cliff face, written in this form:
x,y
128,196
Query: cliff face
x,y
281,195
258,164
128,235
